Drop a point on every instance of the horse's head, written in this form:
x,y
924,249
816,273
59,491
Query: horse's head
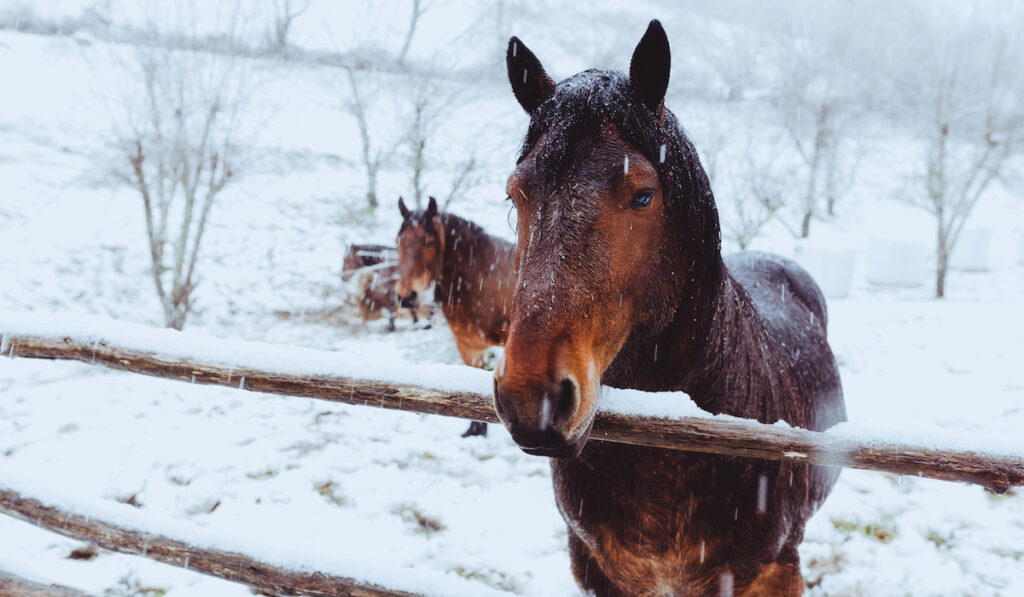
x,y
420,246
600,189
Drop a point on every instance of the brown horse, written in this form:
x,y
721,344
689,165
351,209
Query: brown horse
x,y
377,267
358,257
472,273
620,281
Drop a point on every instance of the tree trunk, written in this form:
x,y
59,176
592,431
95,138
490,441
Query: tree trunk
x,y
805,225
942,259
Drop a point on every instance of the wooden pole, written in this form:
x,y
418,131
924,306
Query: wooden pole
x,y
234,567
724,436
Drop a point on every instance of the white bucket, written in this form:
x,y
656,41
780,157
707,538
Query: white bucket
x,y
971,251
896,262
831,268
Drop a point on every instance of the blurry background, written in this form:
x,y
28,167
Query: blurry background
x,y
879,144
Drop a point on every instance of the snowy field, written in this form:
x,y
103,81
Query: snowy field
x,y
362,487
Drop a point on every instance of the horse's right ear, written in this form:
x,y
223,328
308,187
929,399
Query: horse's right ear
x,y
529,81
402,208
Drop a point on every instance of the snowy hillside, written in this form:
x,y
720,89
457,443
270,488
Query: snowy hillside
x,y
361,486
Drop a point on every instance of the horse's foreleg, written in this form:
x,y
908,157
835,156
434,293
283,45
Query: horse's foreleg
x,y
588,575
777,579
473,355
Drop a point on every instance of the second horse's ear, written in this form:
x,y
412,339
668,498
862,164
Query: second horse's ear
x,y
529,81
403,209
431,208
649,69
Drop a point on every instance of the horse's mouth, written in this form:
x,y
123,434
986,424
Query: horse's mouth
x,y
561,448
570,450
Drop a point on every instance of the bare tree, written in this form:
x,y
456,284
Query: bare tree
x,y
961,84
423,117
429,98
463,177
816,112
733,54
177,138
374,153
756,187
285,13
419,7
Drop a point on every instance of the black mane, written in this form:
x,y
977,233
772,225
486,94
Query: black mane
x,y
572,118
583,104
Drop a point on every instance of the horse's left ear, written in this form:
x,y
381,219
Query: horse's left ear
x,y
650,66
431,209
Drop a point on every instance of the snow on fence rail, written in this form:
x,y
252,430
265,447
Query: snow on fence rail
x,y
665,420
250,560
15,586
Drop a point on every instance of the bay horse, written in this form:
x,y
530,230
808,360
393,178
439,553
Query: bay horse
x,y
361,256
472,274
620,281
377,267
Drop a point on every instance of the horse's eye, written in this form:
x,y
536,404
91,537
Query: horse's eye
x,y
642,199
429,241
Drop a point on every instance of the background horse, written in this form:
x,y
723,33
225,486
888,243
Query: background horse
x,y
377,268
620,280
472,273
358,257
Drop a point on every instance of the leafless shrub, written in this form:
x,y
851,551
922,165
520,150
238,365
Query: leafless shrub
x,y
285,13
177,138
959,83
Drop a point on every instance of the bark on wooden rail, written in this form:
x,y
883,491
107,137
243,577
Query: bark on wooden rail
x,y
13,586
230,566
730,437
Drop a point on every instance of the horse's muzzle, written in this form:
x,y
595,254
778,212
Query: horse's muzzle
x,y
539,415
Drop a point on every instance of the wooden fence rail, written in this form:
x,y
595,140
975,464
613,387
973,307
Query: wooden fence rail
x,y
235,567
174,357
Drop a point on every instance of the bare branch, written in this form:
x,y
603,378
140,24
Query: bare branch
x,y
418,8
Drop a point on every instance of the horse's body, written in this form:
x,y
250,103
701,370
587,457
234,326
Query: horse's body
x,y
362,256
377,270
472,276
607,173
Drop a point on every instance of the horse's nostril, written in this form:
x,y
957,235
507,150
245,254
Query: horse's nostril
x,y
566,397
499,406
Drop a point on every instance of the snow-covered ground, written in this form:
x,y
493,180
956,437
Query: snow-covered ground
x,y
362,486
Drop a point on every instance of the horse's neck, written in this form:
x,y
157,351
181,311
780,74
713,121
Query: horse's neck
x,y
714,350
462,247
728,369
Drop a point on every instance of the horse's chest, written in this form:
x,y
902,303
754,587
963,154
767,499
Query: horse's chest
x,y
664,523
